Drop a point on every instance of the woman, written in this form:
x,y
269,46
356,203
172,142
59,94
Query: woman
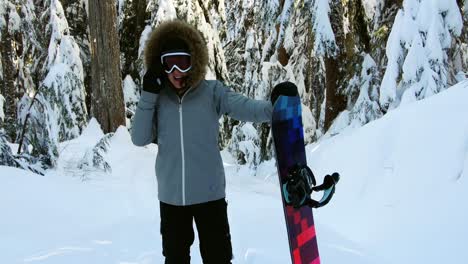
x,y
181,110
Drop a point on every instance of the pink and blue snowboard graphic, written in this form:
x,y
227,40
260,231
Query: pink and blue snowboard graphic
x,y
288,136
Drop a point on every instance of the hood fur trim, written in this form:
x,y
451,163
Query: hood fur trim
x,y
190,35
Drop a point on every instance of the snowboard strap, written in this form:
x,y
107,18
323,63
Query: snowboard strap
x,y
328,188
300,184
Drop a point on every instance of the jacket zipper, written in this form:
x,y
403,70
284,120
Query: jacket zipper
x,y
182,149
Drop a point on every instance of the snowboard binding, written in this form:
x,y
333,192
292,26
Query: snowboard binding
x,y
301,183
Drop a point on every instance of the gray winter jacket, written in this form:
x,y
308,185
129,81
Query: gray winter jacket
x,y
189,168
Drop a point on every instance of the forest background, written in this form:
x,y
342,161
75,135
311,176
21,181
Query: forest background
x,y
64,62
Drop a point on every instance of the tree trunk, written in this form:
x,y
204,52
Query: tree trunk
x,y
140,7
8,84
464,12
133,23
335,101
107,103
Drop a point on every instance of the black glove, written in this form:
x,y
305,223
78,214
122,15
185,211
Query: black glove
x,y
284,88
151,82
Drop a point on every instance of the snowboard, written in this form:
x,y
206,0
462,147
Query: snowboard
x,y
288,137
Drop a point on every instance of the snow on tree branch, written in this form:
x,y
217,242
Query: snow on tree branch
x,y
94,159
324,37
417,50
2,113
283,21
6,157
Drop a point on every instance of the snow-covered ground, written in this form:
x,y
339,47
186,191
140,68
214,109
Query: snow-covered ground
x,y
401,199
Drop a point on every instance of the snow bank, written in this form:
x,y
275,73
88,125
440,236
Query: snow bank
x,y
403,180
400,199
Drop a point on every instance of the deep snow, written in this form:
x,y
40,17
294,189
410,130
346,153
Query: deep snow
x,y
401,199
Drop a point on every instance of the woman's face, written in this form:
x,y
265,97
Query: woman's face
x,y
178,79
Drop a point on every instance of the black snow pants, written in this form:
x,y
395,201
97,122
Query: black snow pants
x,y
213,231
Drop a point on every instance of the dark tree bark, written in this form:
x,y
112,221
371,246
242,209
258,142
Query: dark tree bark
x,y
107,103
8,84
463,10
335,101
133,24
141,16
360,24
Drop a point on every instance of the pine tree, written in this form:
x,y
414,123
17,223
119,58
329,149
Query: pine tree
x,y
77,18
245,145
93,161
417,49
56,111
38,143
6,157
366,107
248,27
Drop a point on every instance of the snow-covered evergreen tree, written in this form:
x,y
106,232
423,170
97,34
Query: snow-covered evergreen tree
x,y
249,41
94,161
34,48
362,74
245,144
77,19
130,92
6,157
324,39
39,133
57,110
365,107
417,50
386,52
65,77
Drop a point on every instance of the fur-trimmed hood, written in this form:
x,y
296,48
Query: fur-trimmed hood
x,y
191,36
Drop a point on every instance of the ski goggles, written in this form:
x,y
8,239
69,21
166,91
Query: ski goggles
x,y
176,60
